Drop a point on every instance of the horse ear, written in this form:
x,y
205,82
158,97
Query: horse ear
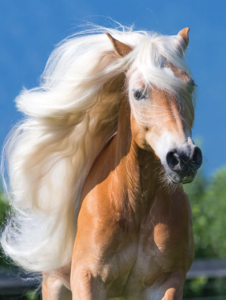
x,y
121,49
184,34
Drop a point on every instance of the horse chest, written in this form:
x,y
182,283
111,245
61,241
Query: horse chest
x,y
164,245
161,247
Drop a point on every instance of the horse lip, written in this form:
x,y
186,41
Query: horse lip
x,y
188,180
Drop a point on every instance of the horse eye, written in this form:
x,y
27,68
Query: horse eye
x,y
139,95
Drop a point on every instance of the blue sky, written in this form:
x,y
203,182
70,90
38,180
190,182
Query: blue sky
x,y
29,29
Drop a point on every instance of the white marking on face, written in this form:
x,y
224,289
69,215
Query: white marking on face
x,y
167,142
163,144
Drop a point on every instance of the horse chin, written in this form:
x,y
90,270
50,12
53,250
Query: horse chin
x,y
177,179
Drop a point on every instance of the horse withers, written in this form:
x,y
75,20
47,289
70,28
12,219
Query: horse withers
x,y
106,202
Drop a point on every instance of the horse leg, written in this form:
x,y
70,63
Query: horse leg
x,y
85,286
174,288
167,287
54,289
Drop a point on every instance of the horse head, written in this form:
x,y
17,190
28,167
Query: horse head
x,y
162,116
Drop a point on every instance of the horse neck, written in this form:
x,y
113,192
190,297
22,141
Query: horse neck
x,y
137,166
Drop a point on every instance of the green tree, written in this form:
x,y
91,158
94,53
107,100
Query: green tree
x,y
208,202
4,208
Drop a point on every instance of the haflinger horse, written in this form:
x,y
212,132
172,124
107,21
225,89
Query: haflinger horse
x,y
97,165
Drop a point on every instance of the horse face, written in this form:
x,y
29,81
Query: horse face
x,y
160,123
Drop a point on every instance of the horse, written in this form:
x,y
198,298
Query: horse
x,y
97,168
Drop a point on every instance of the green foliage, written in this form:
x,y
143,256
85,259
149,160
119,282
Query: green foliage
x,y
32,295
208,202
4,207
195,287
205,287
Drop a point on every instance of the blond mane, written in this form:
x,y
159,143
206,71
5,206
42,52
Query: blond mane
x,y
67,122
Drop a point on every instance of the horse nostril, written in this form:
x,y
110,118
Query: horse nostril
x,y
183,163
173,160
197,158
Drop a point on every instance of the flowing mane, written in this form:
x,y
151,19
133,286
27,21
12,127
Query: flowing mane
x,y
68,120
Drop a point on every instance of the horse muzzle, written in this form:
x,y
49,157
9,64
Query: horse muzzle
x,y
182,163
